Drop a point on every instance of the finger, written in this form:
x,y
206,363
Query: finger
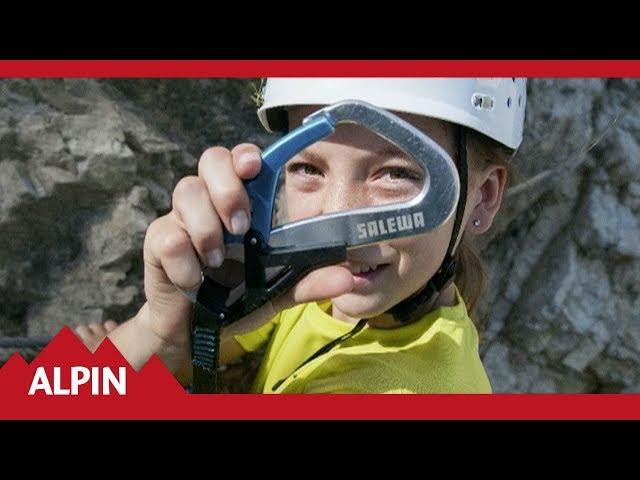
x,y
321,284
83,331
192,204
247,160
228,195
110,326
97,329
168,246
85,335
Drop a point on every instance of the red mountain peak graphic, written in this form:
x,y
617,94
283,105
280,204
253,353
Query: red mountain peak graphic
x,y
153,393
66,380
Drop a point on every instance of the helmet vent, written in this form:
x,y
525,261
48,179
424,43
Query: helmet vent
x,y
482,101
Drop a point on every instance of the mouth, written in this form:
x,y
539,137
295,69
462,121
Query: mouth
x,y
365,272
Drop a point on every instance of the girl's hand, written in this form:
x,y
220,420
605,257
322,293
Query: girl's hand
x,y
178,244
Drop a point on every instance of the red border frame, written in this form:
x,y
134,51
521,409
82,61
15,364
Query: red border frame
x,y
331,407
361,407
317,68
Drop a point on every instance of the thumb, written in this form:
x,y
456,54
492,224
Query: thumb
x,y
321,284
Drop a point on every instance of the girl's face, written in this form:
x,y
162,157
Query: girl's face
x,y
355,168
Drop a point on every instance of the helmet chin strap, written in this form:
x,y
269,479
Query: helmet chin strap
x,y
420,303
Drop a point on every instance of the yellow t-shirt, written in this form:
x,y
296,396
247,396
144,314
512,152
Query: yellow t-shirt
x,y
436,354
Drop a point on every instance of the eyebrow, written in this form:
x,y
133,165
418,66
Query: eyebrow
x,y
381,153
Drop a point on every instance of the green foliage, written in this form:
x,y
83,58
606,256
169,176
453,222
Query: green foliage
x,y
258,91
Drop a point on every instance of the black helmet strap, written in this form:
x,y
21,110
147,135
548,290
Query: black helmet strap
x,y
421,302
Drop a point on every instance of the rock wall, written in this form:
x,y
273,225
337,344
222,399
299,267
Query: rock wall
x,y
562,313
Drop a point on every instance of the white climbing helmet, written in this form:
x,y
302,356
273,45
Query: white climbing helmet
x,y
492,106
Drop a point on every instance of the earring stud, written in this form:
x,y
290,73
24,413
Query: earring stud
x,y
476,222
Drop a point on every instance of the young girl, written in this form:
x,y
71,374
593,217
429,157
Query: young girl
x,y
477,121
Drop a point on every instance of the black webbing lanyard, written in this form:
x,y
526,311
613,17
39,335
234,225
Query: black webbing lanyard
x,y
329,346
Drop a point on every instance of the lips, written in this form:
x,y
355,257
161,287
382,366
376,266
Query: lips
x,y
371,273
365,265
357,268
364,273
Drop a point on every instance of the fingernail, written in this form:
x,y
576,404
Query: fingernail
x,y
215,258
249,159
239,223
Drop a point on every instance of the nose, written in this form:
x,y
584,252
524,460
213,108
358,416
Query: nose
x,y
344,194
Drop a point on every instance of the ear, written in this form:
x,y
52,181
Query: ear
x,y
485,198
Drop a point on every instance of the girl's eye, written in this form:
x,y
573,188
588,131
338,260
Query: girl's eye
x,y
400,173
304,169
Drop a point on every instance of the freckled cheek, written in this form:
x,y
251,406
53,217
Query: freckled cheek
x,y
302,205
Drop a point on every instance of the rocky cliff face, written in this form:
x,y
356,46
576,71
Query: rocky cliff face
x,y
86,165
562,313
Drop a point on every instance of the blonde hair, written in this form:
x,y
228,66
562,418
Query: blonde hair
x,y
471,274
